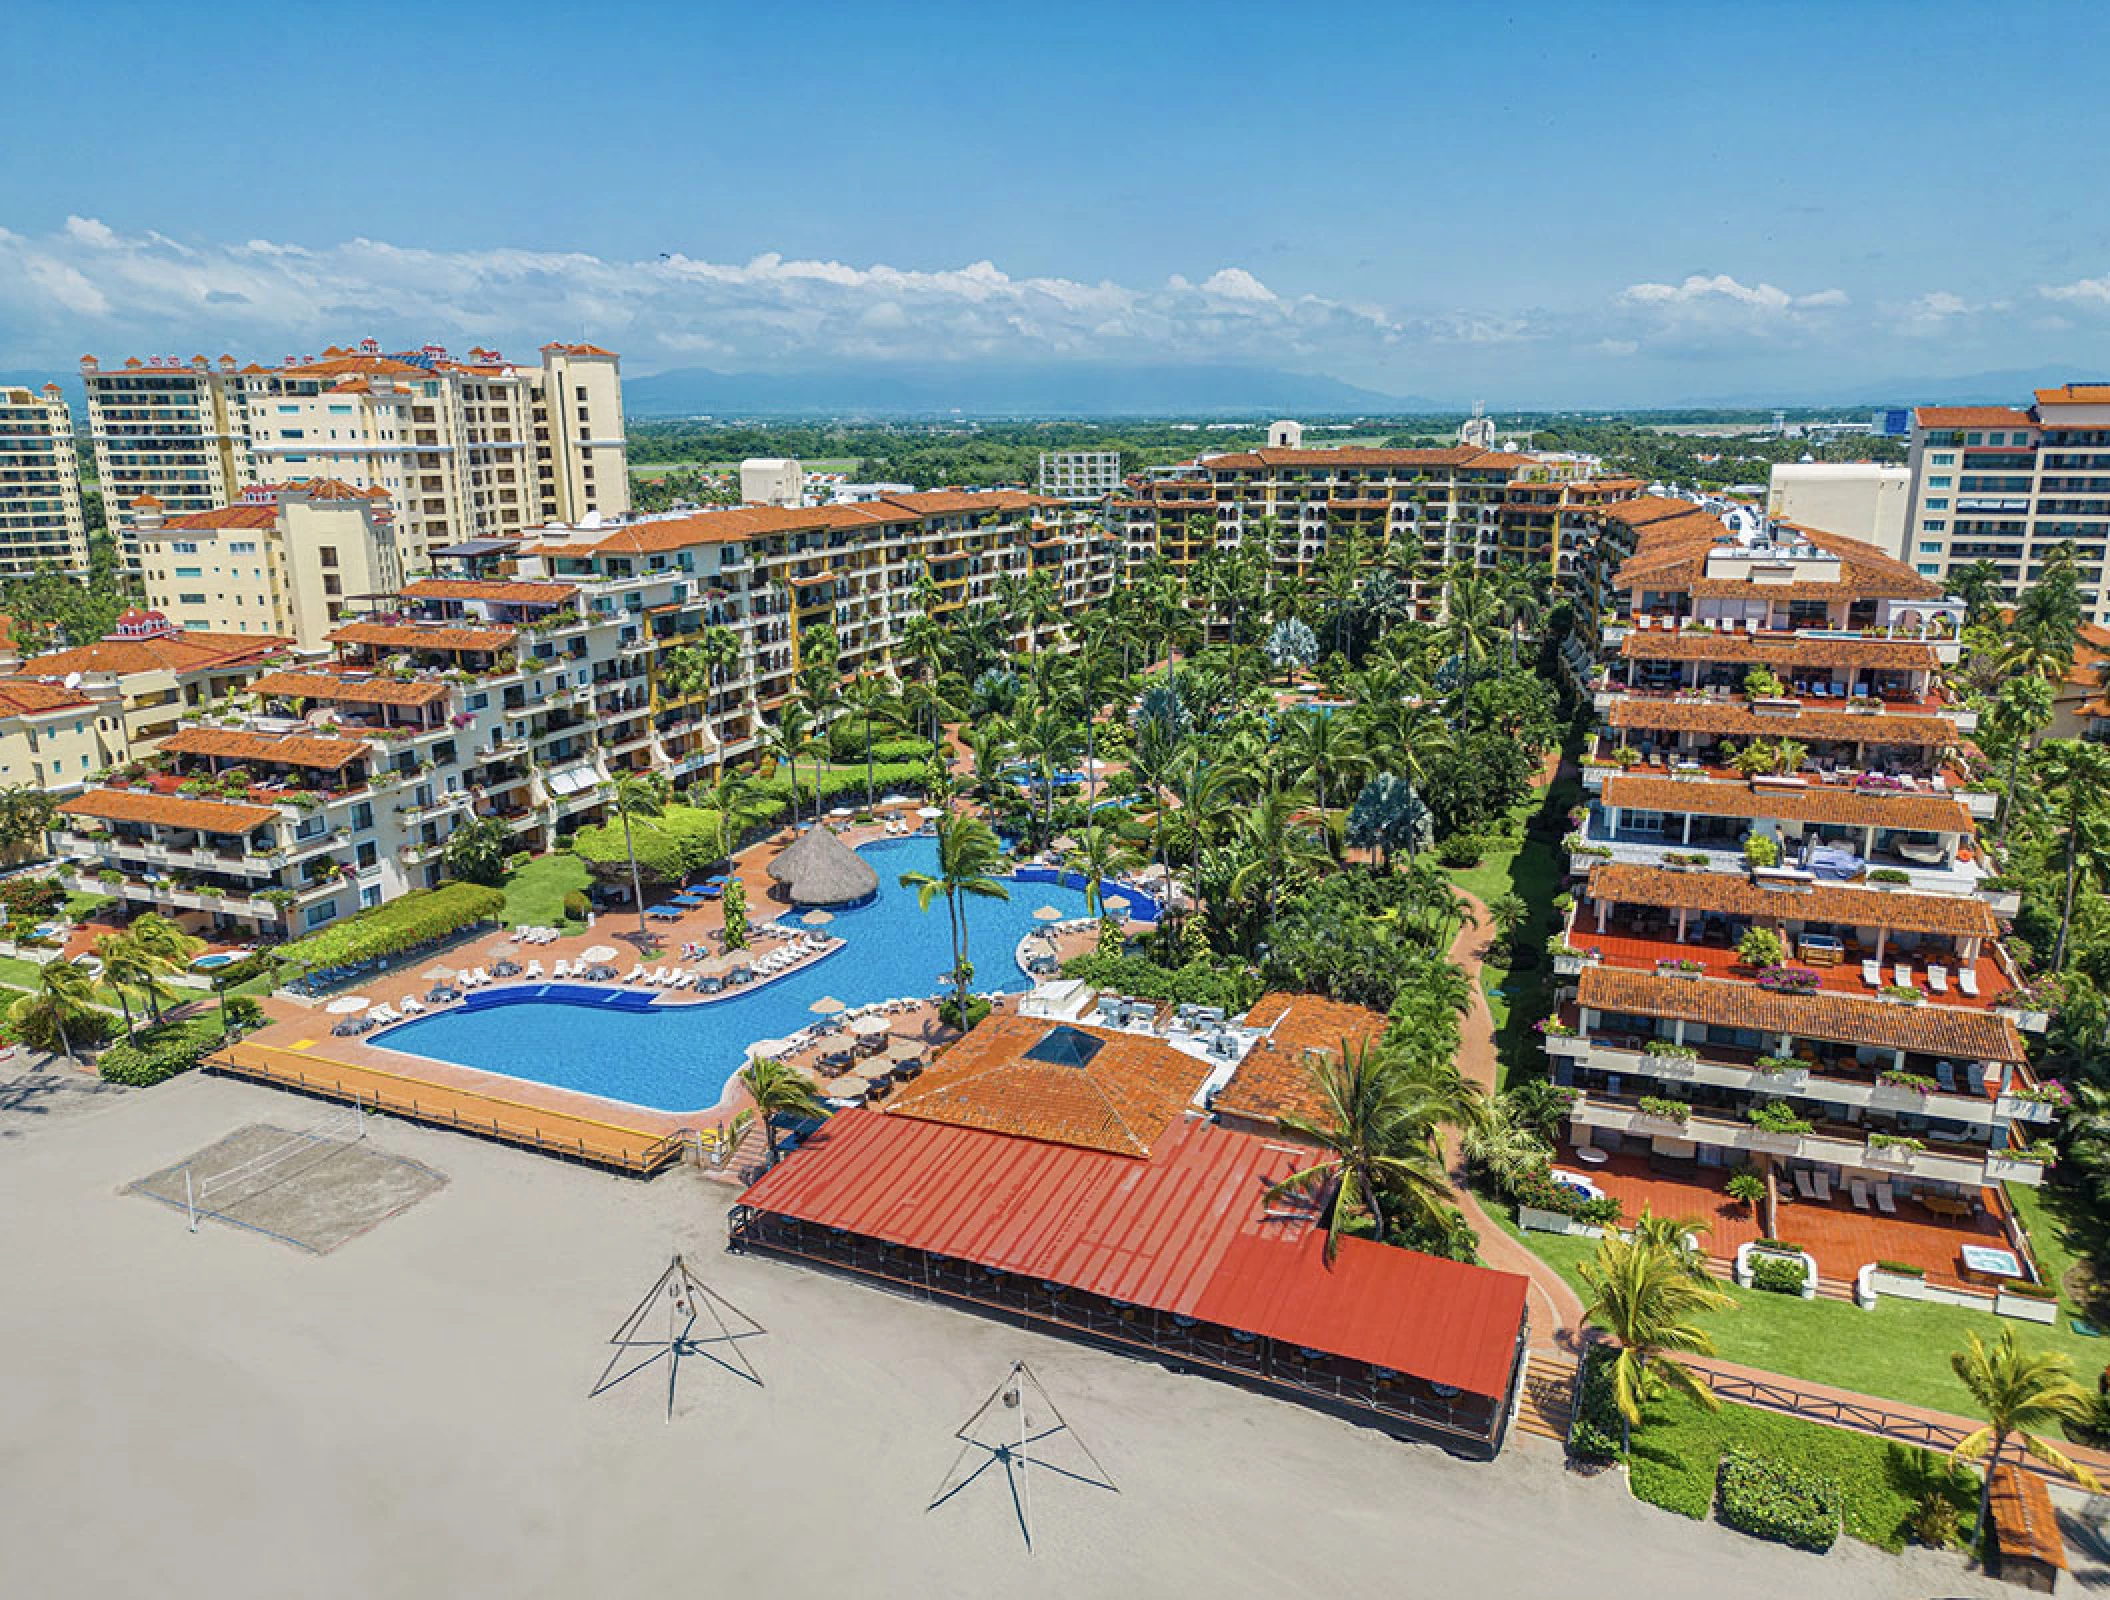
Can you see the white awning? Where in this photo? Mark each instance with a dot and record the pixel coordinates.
(570, 780)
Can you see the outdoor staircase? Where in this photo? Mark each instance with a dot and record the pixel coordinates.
(1548, 1402)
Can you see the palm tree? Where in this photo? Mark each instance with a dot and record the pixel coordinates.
(1278, 842)
(1678, 1235)
(738, 799)
(968, 856)
(778, 1090)
(2021, 1393)
(788, 738)
(636, 794)
(1101, 853)
(163, 940)
(131, 967)
(871, 701)
(1377, 1135)
(1508, 912)
(25, 815)
(1981, 589)
(65, 994)
(1322, 750)
(2075, 775)
(1646, 1299)
(718, 653)
(2022, 709)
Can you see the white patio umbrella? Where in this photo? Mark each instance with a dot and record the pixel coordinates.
(927, 813)
(841, 811)
(767, 1047)
(895, 800)
(868, 1027)
(599, 952)
(345, 1005)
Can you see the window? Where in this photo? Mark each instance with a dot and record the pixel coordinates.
(318, 915)
(340, 411)
(1930, 547)
(195, 598)
(1938, 502)
(1942, 458)
(190, 572)
(245, 547)
(184, 547)
(328, 553)
(289, 411)
(294, 433)
(1941, 483)
(1933, 525)
(1930, 569)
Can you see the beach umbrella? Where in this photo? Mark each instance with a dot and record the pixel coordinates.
(767, 1047)
(867, 1027)
(1047, 914)
(439, 974)
(928, 813)
(345, 1005)
(818, 919)
(848, 1087)
(895, 800)
(599, 952)
(826, 1006)
(841, 811)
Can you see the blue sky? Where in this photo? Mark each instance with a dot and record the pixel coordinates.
(1534, 204)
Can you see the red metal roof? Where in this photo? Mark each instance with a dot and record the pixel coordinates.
(1188, 1231)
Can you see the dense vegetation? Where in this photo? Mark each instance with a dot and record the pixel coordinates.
(419, 918)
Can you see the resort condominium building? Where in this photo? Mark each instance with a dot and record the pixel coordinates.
(1785, 948)
(40, 484)
(288, 562)
(2007, 485)
(1424, 509)
(517, 683)
(465, 448)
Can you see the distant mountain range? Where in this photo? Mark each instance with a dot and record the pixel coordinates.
(1067, 389)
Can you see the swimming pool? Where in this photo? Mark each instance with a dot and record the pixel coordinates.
(679, 1058)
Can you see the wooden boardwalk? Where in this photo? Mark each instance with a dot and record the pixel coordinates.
(557, 1133)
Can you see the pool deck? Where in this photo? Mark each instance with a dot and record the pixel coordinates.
(296, 1049)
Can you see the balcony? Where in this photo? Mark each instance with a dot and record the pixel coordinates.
(1855, 1087)
(1826, 1146)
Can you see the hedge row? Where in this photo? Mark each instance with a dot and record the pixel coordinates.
(1772, 1500)
(1596, 1431)
(385, 930)
(679, 841)
(1776, 1276)
(159, 1054)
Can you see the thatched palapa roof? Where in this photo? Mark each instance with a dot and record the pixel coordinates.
(818, 869)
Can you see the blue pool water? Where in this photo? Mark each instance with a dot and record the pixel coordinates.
(680, 1058)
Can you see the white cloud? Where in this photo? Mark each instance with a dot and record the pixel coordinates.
(2083, 291)
(88, 285)
(1701, 290)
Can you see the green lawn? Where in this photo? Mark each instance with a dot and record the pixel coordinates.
(1679, 1445)
(80, 905)
(535, 894)
(1898, 1351)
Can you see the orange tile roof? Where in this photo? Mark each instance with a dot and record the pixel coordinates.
(1459, 455)
(2075, 394)
(1959, 916)
(202, 816)
(292, 750)
(176, 652)
(1735, 717)
(246, 515)
(391, 636)
(1120, 1101)
(731, 525)
(1276, 1077)
(1819, 802)
(1835, 1018)
(21, 698)
(2025, 1525)
(1776, 649)
(1973, 417)
(519, 594)
(355, 691)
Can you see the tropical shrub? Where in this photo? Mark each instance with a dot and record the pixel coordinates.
(31, 898)
(1761, 947)
(1777, 1116)
(1776, 1275)
(1664, 1109)
(1462, 850)
(418, 918)
(244, 1011)
(1761, 850)
(1774, 1500)
(1889, 875)
(1595, 1432)
(576, 905)
(978, 1008)
(1196, 983)
(159, 1054)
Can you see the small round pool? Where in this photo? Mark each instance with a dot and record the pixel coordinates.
(215, 960)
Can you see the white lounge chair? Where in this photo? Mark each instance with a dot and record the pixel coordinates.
(382, 1014)
(1967, 980)
(1902, 974)
(1823, 1186)
(534, 970)
(1803, 1186)
(562, 970)
(1872, 974)
(1886, 1201)
(1938, 979)
(409, 1005)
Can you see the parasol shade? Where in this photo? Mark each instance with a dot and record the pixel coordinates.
(345, 1005)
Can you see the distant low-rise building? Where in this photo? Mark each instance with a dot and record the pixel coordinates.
(772, 481)
(1864, 500)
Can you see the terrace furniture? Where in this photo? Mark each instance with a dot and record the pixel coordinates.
(1902, 974)
(1872, 974)
(381, 1014)
(1886, 1202)
(1974, 1078)
(637, 975)
(409, 1005)
(1803, 1186)
(1944, 1205)
(1945, 1075)
(1821, 949)
(1859, 1190)
(1823, 1186)
(1938, 979)
(1967, 980)
(563, 970)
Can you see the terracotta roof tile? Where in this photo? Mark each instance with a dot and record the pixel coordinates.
(391, 636)
(2075, 394)
(1835, 1018)
(1732, 894)
(1120, 1101)
(1973, 417)
(1728, 717)
(246, 515)
(175, 652)
(22, 698)
(519, 594)
(1777, 649)
(203, 816)
(293, 750)
(1818, 802)
(1276, 1077)
(353, 691)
